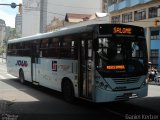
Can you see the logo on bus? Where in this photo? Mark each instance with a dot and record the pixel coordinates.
(22, 63)
(54, 65)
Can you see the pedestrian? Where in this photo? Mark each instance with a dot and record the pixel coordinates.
(153, 74)
(149, 77)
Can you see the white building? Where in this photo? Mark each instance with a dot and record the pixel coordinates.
(2, 31)
(30, 17)
(37, 14)
(18, 24)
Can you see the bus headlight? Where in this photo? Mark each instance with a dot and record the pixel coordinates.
(143, 84)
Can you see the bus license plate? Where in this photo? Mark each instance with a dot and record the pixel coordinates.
(128, 94)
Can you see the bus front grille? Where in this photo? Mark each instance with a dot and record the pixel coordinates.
(126, 80)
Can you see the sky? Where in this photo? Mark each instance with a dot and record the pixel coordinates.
(7, 13)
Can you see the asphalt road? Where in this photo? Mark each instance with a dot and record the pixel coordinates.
(28, 102)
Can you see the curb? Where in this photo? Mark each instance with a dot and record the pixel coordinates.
(154, 83)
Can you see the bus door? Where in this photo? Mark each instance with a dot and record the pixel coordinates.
(34, 61)
(86, 69)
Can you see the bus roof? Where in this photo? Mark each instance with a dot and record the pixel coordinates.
(77, 28)
(56, 33)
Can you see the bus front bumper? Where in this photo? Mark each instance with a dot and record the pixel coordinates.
(102, 95)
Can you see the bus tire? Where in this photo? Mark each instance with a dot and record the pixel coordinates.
(68, 91)
(21, 77)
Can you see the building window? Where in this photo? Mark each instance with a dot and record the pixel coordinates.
(116, 19)
(127, 17)
(154, 61)
(140, 15)
(113, 2)
(154, 11)
(155, 35)
(154, 56)
(120, 1)
(154, 52)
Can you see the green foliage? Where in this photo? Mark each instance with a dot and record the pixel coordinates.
(2, 50)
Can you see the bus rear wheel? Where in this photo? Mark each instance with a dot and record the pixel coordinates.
(68, 91)
(21, 77)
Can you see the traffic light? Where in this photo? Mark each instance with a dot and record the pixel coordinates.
(13, 5)
(20, 8)
(156, 22)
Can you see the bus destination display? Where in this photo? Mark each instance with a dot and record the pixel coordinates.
(122, 30)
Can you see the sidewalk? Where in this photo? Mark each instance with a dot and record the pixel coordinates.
(3, 60)
(154, 83)
(157, 80)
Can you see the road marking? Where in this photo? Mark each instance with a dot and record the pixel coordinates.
(11, 75)
(2, 77)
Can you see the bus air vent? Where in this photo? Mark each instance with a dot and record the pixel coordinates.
(126, 80)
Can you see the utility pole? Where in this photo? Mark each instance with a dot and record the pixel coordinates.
(43, 16)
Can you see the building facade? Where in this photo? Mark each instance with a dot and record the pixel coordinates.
(37, 14)
(18, 25)
(2, 32)
(30, 17)
(141, 13)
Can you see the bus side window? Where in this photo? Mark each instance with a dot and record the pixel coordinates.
(69, 47)
(14, 50)
(44, 48)
(54, 50)
(66, 47)
(10, 49)
(90, 49)
(27, 49)
(74, 50)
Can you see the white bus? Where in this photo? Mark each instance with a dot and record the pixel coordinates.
(97, 62)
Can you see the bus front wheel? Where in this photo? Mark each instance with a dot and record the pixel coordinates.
(68, 91)
(21, 77)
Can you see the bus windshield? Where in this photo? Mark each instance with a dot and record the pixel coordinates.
(121, 56)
